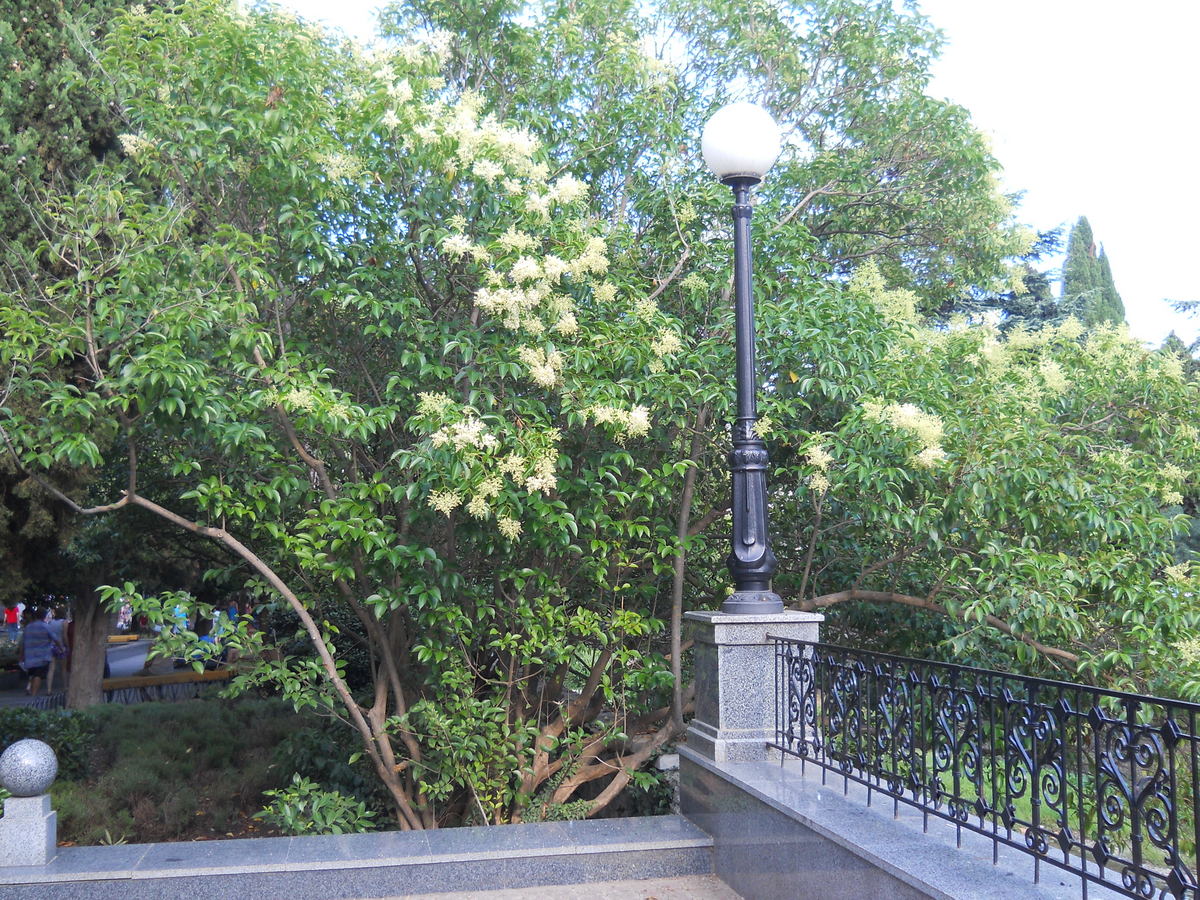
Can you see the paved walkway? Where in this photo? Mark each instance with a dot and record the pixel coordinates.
(691, 887)
(124, 659)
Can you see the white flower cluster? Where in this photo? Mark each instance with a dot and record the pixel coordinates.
(457, 244)
(545, 366)
(605, 293)
(645, 310)
(925, 427)
(895, 306)
(567, 189)
(1053, 377)
(516, 241)
(1178, 572)
(340, 166)
(514, 465)
(818, 457)
(299, 399)
(1172, 473)
(993, 354)
(1174, 477)
(520, 297)
(134, 145)
(525, 269)
(929, 457)
(567, 325)
(1170, 366)
(1120, 458)
(431, 404)
(435, 45)
(543, 478)
(554, 268)
(487, 169)
(627, 423)
(667, 343)
(444, 502)
(490, 149)
(400, 91)
(592, 261)
(515, 307)
(510, 528)
(470, 432)
(538, 205)
(1070, 330)
(490, 487)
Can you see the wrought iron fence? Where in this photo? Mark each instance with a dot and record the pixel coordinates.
(1100, 783)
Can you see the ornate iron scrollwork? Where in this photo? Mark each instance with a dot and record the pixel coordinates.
(1099, 783)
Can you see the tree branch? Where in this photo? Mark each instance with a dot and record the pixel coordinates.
(927, 604)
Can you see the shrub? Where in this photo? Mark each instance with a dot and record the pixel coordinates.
(304, 808)
(71, 734)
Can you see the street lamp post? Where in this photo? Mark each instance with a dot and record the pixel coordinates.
(740, 143)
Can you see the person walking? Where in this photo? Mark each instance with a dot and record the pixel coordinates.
(59, 660)
(37, 650)
(12, 622)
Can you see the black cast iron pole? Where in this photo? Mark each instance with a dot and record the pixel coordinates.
(751, 562)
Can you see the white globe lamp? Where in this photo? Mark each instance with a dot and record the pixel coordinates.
(741, 140)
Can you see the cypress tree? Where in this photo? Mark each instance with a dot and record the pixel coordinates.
(1089, 293)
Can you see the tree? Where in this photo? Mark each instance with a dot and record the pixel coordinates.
(54, 126)
(1088, 290)
(314, 366)
(1026, 300)
(872, 168)
(1175, 346)
(1023, 489)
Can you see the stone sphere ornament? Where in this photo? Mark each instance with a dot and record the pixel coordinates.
(28, 768)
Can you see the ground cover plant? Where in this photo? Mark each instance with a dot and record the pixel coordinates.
(194, 770)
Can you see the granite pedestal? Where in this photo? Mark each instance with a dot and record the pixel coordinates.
(735, 680)
(28, 831)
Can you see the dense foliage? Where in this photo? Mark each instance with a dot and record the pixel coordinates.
(163, 771)
(434, 344)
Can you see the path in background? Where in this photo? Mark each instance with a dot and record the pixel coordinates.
(691, 887)
(124, 660)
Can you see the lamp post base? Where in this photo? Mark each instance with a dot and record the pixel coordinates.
(752, 602)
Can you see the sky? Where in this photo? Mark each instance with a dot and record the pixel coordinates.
(1091, 107)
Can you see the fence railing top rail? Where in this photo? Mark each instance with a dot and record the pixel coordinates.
(1030, 680)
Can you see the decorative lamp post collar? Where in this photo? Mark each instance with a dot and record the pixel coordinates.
(740, 144)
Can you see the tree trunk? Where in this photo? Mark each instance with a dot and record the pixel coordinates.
(90, 644)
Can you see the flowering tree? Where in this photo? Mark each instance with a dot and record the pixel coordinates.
(1026, 494)
(358, 333)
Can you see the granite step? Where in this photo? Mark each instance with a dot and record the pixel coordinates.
(685, 887)
(383, 864)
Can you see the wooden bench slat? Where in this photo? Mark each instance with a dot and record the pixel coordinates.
(184, 677)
